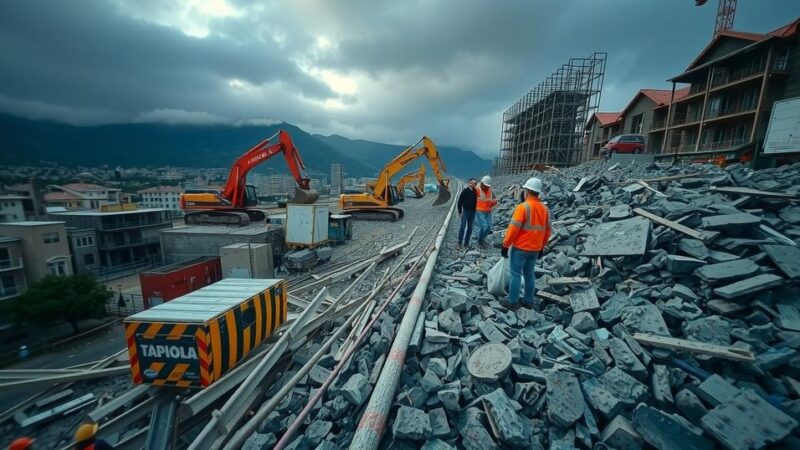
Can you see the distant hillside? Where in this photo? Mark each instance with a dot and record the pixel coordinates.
(459, 162)
(32, 142)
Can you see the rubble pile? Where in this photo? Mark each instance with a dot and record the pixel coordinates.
(667, 315)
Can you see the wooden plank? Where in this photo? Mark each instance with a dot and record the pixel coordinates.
(647, 186)
(705, 237)
(753, 192)
(669, 178)
(719, 351)
(553, 297)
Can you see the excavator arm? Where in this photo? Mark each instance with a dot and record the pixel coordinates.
(235, 187)
(418, 176)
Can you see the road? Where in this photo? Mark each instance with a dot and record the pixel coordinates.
(92, 349)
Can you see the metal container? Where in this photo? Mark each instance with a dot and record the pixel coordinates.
(306, 225)
(172, 281)
(340, 228)
(194, 340)
(245, 260)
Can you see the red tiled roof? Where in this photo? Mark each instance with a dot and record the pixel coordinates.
(606, 118)
(59, 196)
(743, 35)
(658, 96)
(787, 30)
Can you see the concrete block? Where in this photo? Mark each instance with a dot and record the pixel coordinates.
(668, 431)
(716, 390)
(711, 330)
(623, 386)
(618, 212)
(681, 265)
(439, 425)
(584, 300)
(450, 398)
(525, 372)
(747, 422)
(749, 286)
(438, 366)
(644, 319)
(690, 406)
(450, 321)
(430, 382)
(694, 248)
(258, 441)
(731, 223)
(504, 419)
(726, 271)
(411, 423)
(473, 434)
(660, 384)
(356, 389)
(786, 258)
(583, 322)
(436, 444)
(620, 238)
(564, 398)
(619, 434)
(317, 431)
(625, 359)
(600, 398)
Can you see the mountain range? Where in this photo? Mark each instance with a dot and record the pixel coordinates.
(33, 142)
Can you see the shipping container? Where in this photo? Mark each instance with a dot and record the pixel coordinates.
(340, 228)
(306, 225)
(169, 282)
(193, 340)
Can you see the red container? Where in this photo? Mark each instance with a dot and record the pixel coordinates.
(169, 282)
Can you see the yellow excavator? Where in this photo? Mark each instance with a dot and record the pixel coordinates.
(377, 203)
(418, 189)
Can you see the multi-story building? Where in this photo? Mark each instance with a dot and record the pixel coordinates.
(12, 273)
(31, 199)
(76, 196)
(84, 249)
(44, 249)
(337, 182)
(124, 238)
(166, 197)
(733, 83)
(601, 127)
(12, 209)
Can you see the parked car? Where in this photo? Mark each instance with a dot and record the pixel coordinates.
(624, 143)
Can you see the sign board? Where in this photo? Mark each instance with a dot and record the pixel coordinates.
(783, 132)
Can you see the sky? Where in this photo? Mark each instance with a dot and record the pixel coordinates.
(388, 71)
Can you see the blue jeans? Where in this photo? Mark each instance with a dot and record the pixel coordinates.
(522, 264)
(465, 230)
(484, 225)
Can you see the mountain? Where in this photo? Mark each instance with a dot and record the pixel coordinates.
(460, 163)
(32, 142)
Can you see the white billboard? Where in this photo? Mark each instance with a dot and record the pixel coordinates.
(783, 132)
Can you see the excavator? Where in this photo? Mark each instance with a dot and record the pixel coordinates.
(230, 206)
(419, 188)
(377, 203)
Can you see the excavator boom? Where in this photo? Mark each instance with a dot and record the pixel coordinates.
(229, 206)
(418, 176)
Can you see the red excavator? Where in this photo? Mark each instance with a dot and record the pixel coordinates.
(230, 207)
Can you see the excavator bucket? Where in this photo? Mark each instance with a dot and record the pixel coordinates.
(444, 195)
(304, 197)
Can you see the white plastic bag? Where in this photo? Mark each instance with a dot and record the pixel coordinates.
(498, 277)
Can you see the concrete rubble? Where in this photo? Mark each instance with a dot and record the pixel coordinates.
(666, 317)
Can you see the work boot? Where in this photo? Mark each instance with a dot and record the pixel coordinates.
(512, 306)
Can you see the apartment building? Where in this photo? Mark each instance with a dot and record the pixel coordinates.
(76, 196)
(601, 127)
(44, 249)
(732, 85)
(12, 275)
(166, 197)
(12, 208)
(31, 199)
(125, 237)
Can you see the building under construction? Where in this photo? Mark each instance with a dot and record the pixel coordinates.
(546, 124)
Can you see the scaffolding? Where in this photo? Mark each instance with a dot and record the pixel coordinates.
(546, 125)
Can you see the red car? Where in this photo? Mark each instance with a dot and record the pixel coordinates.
(624, 143)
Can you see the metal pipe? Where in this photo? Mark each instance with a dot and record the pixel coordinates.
(373, 420)
(295, 426)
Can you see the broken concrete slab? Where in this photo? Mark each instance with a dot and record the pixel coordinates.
(584, 300)
(356, 389)
(583, 322)
(600, 398)
(644, 319)
(693, 247)
(680, 265)
(317, 431)
(619, 434)
(786, 258)
(473, 434)
(789, 318)
(436, 444)
(659, 381)
(716, 390)
(490, 362)
(749, 286)
(623, 386)
(668, 431)
(450, 321)
(504, 419)
(411, 423)
(564, 398)
(747, 422)
(621, 238)
(709, 330)
(440, 428)
(619, 212)
(625, 359)
(731, 222)
(714, 273)
(689, 405)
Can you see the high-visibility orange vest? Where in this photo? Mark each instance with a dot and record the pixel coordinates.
(529, 228)
(485, 199)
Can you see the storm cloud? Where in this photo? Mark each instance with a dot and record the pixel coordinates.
(388, 71)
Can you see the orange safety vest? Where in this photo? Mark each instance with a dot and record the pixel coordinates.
(485, 200)
(529, 228)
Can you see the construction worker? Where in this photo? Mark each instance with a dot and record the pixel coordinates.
(467, 201)
(23, 443)
(526, 236)
(483, 214)
(86, 438)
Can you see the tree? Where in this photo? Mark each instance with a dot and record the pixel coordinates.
(69, 298)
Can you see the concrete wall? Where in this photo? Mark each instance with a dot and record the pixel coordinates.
(11, 210)
(642, 106)
(178, 245)
(247, 261)
(77, 241)
(12, 279)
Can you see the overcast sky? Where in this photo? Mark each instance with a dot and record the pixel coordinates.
(382, 70)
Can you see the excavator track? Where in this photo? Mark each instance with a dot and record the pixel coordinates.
(236, 218)
(385, 214)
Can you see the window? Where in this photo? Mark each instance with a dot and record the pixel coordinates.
(84, 241)
(636, 126)
(57, 267)
(50, 238)
(8, 285)
(88, 259)
(714, 107)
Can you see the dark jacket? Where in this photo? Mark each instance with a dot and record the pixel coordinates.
(467, 200)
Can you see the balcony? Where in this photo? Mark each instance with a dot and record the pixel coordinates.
(122, 243)
(10, 264)
(729, 144)
(658, 124)
(723, 79)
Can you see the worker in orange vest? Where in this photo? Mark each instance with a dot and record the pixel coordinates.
(86, 438)
(526, 236)
(483, 209)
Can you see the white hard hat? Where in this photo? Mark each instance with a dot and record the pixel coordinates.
(534, 184)
(486, 180)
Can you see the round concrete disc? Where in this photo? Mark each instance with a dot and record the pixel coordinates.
(490, 362)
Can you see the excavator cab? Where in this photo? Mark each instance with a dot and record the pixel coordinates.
(251, 196)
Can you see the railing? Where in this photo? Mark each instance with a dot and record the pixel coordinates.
(11, 263)
(724, 78)
(123, 305)
(723, 145)
(729, 111)
(660, 123)
(684, 119)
